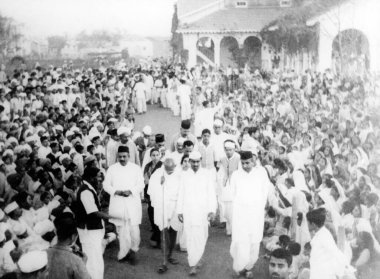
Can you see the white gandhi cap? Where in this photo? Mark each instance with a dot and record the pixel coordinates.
(195, 156)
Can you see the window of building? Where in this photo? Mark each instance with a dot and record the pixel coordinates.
(241, 4)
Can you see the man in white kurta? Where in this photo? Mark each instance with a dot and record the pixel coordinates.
(184, 97)
(326, 260)
(163, 190)
(228, 165)
(250, 188)
(196, 206)
(124, 182)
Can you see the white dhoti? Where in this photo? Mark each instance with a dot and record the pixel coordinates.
(148, 94)
(141, 105)
(175, 108)
(181, 238)
(91, 241)
(244, 254)
(155, 95)
(196, 238)
(185, 110)
(129, 238)
(163, 98)
(227, 208)
(222, 215)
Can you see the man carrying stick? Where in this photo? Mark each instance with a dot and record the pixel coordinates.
(163, 191)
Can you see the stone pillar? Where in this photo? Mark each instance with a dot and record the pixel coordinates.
(217, 40)
(324, 51)
(190, 43)
(374, 53)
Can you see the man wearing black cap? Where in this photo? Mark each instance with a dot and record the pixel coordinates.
(184, 133)
(251, 189)
(124, 182)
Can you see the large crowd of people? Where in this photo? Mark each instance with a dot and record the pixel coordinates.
(285, 163)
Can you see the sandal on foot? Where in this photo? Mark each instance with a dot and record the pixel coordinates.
(249, 274)
(173, 261)
(162, 269)
(193, 271)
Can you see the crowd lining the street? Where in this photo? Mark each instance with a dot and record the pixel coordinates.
(285, 163)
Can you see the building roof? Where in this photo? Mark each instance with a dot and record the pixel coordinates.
(233, 20)
(310, 9)
(188, 6)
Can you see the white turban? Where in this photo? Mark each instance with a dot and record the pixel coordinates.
(147, 130)
(32, 261)
(124, 130)
(218, 123)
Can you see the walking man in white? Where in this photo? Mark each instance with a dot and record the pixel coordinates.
(251, 188)
(163, 191)
(196, 206)
(124, 182)
(228, 165)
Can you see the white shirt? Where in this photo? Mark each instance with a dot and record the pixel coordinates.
(196, 197)
(125, 178)
(250, 195)
(140, 89)
(326, 260)
(164, 197)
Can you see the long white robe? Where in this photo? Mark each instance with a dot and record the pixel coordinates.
(164, 198)
(128, 209)
(250, 192)
(184, 94)
(196, 200)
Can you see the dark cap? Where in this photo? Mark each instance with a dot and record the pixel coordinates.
(112, 132)
(123, 148)
(160, 138)
(245, 155)
(186, 124)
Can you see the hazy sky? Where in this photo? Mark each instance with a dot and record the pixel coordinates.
(47, 17)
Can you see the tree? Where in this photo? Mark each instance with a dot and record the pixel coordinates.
(9, 36)
(176, 41)
(56, 44)
(125, 54)
(98, 38)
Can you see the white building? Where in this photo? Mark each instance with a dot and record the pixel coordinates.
(360, 15)
(212, 28)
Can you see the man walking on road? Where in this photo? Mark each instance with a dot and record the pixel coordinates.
(124, 182)
(196, 207)
(163, 191)
(251, 187)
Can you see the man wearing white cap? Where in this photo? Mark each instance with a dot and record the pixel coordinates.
(250, 189)
(147, 132)
(184, 96)
(163, 191)
(218, 138)
(141, 93)
(125, 140)
(33, 264)
(196, 207)
(228, 165)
